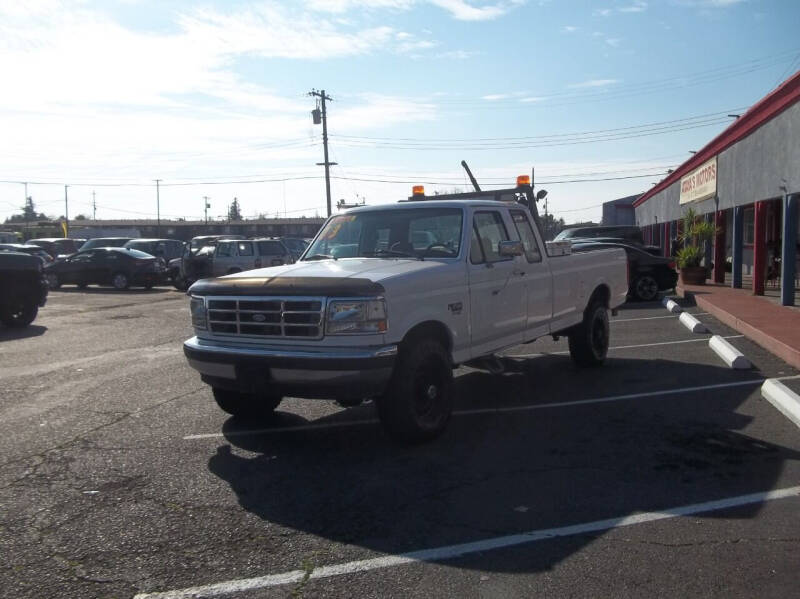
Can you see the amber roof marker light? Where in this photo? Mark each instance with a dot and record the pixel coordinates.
(418, 190)
(523, 180)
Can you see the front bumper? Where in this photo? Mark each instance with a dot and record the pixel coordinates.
(312, 373)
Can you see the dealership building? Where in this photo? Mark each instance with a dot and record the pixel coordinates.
(747, 181)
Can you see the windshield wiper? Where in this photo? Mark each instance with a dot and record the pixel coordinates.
(319, 257)
(392, 253)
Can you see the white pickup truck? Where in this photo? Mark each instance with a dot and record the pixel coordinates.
(388, 300)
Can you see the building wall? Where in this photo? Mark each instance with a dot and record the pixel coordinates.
(752, 169)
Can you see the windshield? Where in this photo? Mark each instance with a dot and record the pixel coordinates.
(414, 233)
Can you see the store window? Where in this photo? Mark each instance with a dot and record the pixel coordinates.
(749, 225)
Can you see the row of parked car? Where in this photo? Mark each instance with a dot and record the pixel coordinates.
(124, 262)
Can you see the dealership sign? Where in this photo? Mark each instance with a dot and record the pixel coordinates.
(700, 184)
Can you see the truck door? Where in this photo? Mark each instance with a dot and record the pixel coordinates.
(538, 279)
(224, 256)
(247, 259)
(497, 290)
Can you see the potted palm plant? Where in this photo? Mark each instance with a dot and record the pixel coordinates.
(696, 232)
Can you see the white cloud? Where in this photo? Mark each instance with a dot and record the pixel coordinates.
(463, 10)
(529, 99)
(613, 41)
(466, 11)
(593, 83)
(602, 12)
(458, 54)
(494, 97)
(637, 6)
(569, 29)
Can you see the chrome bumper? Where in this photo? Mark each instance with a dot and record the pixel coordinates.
(301, 373)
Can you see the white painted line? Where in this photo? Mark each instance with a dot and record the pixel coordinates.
(691, 323)
(449, 552)
(613, 320)
(729, 354)
(784, 399)
(671, 305)
(564, 353)
(478, 411)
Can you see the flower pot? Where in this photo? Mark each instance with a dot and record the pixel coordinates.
(693, 275)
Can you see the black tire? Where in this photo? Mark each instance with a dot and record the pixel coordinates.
(83, 285)
(120, 281)
(645, 288)
(419, 400)
(19, 314)
(588, 341)
(53, 282)
(148, 286)
(246, 405)
(180, 283)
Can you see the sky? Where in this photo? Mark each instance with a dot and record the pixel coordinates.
(211, 98)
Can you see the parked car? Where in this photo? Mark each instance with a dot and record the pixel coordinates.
(164, 249)
(630, 233)
(105, 242)
(23, 290)
(195, 262)
(57, 246)
(650, 249)
(647, 274)
(295, 246)
(33, 250)
(119, 267)
(233, 256)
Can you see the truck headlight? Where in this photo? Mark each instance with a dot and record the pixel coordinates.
(197, 306)
(354, 317)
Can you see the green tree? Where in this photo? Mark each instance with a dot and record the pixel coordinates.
(234, 210)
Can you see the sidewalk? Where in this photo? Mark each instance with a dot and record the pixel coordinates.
(774, 327)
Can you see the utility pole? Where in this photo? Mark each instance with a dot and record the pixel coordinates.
(94, 207)
(25, 210)
(206, 207)
(321, 114)
(158, 209)
(66, 212)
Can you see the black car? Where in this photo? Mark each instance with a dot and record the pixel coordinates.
(629, 233)
(57, 246)
(166, 249)
(647, 274)
(195, 263)
(119, 267)
(105, 242)
(23, 290)
(33, 250)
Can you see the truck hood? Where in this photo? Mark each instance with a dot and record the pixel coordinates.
(343, 277)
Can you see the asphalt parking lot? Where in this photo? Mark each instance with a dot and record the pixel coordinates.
(664, 473)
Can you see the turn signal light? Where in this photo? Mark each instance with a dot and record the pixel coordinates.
(523, 180)
(671, 265)
(418, 190)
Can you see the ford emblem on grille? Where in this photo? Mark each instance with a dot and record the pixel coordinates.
(259, 317)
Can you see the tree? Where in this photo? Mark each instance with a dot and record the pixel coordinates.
(28, 213)
(81, 217)
(234, 210)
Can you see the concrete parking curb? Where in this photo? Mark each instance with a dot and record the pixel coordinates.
(729, 354)
(784, 399)
(671, 305)
(691, 323)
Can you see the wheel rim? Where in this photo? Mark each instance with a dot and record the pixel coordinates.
(428, 390)
(646, 288)
(120, 281)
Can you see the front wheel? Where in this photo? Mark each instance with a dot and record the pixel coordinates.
(19, 314)
(246, 405)
(52, 280)
(645, 288)
(588, 341)
(419, 399)
(120, 281)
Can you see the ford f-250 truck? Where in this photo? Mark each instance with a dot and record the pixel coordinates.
(388, 300)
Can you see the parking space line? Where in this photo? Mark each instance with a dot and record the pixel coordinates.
(613, 320)
(449, 552)
(564, 353)
(479, 411)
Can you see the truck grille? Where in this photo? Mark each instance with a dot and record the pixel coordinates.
(289, 317)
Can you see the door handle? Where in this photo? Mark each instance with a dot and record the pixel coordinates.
(519, 273)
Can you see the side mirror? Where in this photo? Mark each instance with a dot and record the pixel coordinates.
(510, 248)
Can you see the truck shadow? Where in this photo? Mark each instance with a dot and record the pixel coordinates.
(32, 330)
(530, 467)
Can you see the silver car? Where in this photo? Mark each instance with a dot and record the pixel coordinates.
(232, 256)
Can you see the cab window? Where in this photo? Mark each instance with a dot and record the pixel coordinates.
(526, 235)
(225, 249)
(245, 248)
(491, 231)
